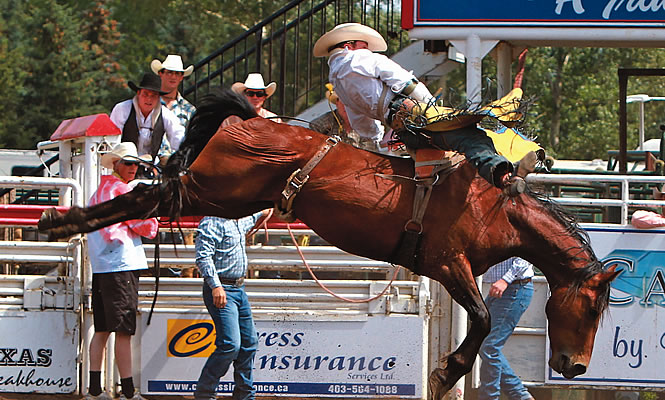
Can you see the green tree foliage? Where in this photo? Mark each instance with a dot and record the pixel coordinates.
(61, 78)
(62, 59)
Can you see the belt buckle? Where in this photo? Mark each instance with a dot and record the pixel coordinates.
(239, 281)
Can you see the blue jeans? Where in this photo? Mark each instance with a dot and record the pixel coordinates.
(479, 150)
(236, 342)
(495, 372)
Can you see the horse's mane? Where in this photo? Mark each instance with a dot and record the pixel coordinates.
(593, 266)
(214, 107)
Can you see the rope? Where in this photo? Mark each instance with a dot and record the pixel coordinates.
(302, 257)
(263, 224)
(156, 272)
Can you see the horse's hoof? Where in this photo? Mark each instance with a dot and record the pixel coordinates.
(438, 384)
(46, 221)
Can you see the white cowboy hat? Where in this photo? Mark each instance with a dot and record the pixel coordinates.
(172, 63)
(348, 32)
(124, 151)
(254, 82)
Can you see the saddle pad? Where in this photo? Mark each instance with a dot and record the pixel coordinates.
(428, 161)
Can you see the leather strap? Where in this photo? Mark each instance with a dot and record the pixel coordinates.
(382, 104)
(298, 179)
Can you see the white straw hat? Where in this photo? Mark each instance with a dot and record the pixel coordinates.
(124, 151)
(348, 32)
(172, 63)
(254, 82)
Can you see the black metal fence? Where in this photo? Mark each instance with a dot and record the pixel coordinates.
(280, 47)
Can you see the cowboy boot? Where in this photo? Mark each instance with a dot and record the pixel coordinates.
(527, 164)
(514, 184)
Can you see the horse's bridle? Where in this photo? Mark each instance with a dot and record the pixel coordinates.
(298, 179)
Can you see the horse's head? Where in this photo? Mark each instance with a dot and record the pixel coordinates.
(573, 316)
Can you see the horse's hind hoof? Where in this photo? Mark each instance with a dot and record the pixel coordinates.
(47, 219)
(438, 384)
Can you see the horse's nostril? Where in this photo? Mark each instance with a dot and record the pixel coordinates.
(578, 369)
(574, 370)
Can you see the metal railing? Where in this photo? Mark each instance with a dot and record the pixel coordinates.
(623, 201)
(280, 48)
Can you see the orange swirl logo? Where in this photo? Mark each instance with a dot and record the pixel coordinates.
(190, 338)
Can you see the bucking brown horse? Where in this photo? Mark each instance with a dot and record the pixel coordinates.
(470, 225)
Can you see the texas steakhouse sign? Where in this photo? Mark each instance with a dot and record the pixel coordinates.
(577, 13)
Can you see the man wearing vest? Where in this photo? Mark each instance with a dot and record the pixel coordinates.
(144, 121)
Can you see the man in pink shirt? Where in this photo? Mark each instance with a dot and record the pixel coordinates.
(117, 256)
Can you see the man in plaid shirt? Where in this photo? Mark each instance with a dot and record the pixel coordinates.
(222, 261)
(509, 296)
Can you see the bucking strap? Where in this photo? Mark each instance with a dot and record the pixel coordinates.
(298, 179)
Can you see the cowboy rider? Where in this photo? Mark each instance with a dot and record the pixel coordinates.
(372, 87)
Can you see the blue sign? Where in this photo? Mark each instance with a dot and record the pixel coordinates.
(539, 12)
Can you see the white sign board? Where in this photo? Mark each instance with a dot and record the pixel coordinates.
(630, 344)
(376, 357)
(38, 351)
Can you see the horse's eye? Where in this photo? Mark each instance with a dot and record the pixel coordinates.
(593, 313)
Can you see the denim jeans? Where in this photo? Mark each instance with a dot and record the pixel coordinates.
(236, 342)
(495, 372)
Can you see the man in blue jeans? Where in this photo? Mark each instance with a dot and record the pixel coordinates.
(222, 261)
(509, 296)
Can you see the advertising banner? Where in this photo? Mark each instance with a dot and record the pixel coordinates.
(41, 358)
(536, 13)
(377, 357)
(630, 344)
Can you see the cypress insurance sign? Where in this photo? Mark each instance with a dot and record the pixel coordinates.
(376, 357)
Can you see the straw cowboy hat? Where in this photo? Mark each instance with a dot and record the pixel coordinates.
(254, 82)
(172, 63)
(349, 32)
(149, 82)
(123, 151)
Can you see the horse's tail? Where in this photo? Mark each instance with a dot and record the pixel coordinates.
(213, 108)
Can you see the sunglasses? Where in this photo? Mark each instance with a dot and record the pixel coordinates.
(252, 93)
(130, 162)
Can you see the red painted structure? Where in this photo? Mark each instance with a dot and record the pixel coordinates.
(28, 215)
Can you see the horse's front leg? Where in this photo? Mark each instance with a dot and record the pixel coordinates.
(460, 283)
(139, 203)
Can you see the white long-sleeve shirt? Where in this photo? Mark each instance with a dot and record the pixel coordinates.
(173, 130)
(359, 78)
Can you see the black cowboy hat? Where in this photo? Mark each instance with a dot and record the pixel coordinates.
(150, 82)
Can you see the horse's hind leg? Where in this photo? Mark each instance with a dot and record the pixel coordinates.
(136, 204)
(460, 283)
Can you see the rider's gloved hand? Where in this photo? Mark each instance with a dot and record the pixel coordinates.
(421, 93)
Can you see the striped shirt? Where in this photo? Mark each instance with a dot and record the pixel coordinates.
(220, 248)
(182, 109)
(512, 269)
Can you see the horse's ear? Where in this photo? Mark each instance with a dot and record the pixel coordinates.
(609, 275)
